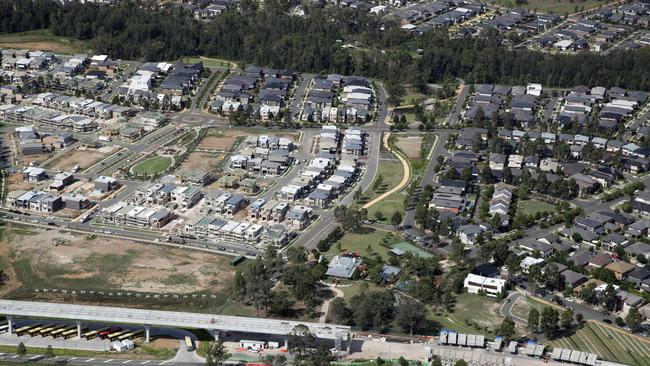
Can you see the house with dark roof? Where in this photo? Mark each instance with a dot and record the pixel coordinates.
(572, 279)
(637, 276)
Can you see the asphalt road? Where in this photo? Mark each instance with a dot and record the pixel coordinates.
(438, 149)
(508, 304)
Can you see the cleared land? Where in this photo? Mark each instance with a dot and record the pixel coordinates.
(210, 62)
(226, 141)
(42, 40)
(410, 145)
(151, 166)
(207, 162)
(83, 156)
(533, 206)
(559, 7)
(524, 305)
(609, 344)
(471, 314)
(54, 259)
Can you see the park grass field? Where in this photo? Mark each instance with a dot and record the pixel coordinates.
(151, 166)
(533, 206)
(367, 245)
(609, 344)
(42, 40)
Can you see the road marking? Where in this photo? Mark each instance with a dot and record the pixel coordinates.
(127, 361)
(109, 360)
(92, 359)
(145, 362)
(14, 356)
(73, 358)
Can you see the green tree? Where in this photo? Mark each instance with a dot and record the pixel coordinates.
(566, 319)
(410, 315)
(548, 322)
(533, 319)
(396, 219)
(460, 363)
(49, 352)
(339, 313)
(507, 328)
(217, 354)
(301, 343)
(379, 216)
(634, 319)
(608, 297)
(21, 350)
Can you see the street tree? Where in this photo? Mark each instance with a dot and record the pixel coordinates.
(396, 219)
(533, 319)
(634, 319)
(217, 354)
(49, 352)
(21, 350)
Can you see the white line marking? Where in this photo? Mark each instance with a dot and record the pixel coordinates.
(92, 359)
(127, 361)
(109, 360)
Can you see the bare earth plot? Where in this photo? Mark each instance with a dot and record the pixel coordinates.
(225, 141)
(410, 145)
(54, 259)
(85, 157)
(203, 161)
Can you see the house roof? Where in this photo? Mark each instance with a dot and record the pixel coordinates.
(600, 260)
(620, 267)
(573, 278)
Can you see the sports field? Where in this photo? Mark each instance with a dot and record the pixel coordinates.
(609, 344)
(151, 166)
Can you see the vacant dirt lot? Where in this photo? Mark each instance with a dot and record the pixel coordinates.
(410, 145)
(224, 141)
(54, 259)
(207, 162)
(85, 157)
(220, 141)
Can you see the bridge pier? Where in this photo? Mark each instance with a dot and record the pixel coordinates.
(147, 331)
(10, 323)
(286, 344)
(78, 329)
(215, 333)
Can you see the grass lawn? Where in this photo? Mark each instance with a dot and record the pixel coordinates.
(356, 288)
(523, 306)
(412, 98)
(390, 173)
(152, 166)
(610, 345)
(42, 39)
(553, 6)
(367, 245)
(471, 314)
(209, 62)
(533, 206)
